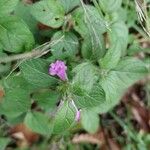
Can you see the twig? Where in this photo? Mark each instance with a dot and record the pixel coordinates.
(37, 52)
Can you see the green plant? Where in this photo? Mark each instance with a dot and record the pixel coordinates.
(90, 39)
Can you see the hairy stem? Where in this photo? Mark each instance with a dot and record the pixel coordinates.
(37, 52)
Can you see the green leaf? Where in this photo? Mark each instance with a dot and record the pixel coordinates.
(38, 123)
(85, 75)
(91, 26)
(110, 5)
(112, 57)
(120, 15)
(92, 125)
(115, 83)
(94, 21)
(35, 71)
(47, 99)
(90, 99)
(118, 34)
(17, 120)
(15, 35)
(67, 46)
(89, 20)
(91, 50)
(80, 25)
(49, 12)
(4, 68)
(17, 81)
(69, 4)
(7, 6)
(64, 118)
(22, 10)
(3, 143)
(15, 102)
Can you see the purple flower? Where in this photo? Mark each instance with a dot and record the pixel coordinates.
(58, 68)
(78, 114)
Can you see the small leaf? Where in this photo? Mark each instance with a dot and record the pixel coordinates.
(7, 6)
(15, 35)
(64, 118)
(118, 45)
(15, 102)
(38, 123)
(69, 4)
(89, 121)
(112, 57)
(110, 5)
(67, 47)
(118, 34)
(49, 12)
(35, 71)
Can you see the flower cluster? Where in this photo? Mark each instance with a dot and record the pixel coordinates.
(58, 68)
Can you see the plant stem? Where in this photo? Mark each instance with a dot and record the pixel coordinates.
(37, 52)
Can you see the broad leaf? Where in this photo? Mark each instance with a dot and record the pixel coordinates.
(118, 34)
(91, 26)
(49, 12)
(121, 16)
(110, 5)
(69, 4)
(7, 6)
(15, 35)
(89, 21)
(90, 99)
(66, 47)
(46, 99)
(64, 118)
(15, 102)
(38, 123)
(35, 71)
(22, 10)
(90, 48)
(17, 81)
(112, 57)
(94, 21)
(115, 83)
(80, 25)
(89, 121)
(85, 75)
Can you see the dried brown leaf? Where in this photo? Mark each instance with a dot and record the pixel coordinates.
(24, 135)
